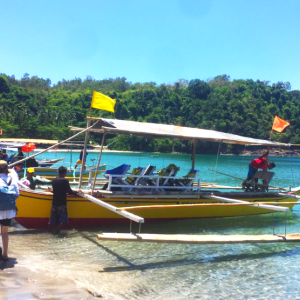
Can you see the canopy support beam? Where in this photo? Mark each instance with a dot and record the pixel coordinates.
(194, 153)
(84, 154)
(98, 163)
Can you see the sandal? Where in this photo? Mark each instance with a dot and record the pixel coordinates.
(5, 258)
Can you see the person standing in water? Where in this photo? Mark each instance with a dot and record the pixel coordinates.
(60, 188)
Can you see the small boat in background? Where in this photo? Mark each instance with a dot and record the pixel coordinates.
(48, 162)
(50, 172)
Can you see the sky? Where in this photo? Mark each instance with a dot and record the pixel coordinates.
(158, 41)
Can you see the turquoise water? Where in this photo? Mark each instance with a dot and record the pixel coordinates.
(286, 171)
(120, 270)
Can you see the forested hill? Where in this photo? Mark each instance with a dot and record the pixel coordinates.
(32, 108)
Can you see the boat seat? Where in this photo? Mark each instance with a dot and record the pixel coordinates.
(148, 172)
(188, 179)
(121, 170)
(169, 172)
(253, 184)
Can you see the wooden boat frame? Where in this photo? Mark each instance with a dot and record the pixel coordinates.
(102, 207)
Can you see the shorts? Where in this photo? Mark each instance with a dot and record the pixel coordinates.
(59, 215)
(251, 172)
(79, 161)
(5, 222)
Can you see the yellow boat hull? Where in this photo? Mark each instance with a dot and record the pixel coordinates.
(34, 209)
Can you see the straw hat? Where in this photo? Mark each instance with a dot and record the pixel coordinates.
(3, 165)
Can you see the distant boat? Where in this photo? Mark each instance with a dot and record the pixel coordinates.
(48, 162)
(50, 172)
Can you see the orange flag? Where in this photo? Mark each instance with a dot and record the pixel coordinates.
(279, 124)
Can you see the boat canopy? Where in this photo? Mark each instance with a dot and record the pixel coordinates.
(152, 130)
(10, 144)
(6, 141)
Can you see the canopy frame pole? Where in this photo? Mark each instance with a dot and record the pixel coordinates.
(24, 159)
(194, 153)
(99, 160)
(84, 153)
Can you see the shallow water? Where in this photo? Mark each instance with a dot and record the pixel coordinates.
(75, 265)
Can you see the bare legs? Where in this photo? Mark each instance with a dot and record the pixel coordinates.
(4, 233)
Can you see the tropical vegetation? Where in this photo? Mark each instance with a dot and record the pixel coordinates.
(34, 108)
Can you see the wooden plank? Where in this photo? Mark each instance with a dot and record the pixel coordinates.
(198, 239)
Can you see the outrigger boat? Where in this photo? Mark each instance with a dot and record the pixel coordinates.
(146, 194)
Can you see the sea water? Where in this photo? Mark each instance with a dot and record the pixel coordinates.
(75, 265)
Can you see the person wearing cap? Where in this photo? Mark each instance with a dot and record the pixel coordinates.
(20, 154)
(259, 163)
(6, 215)
(33, 181)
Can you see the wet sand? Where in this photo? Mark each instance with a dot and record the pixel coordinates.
(38, 269)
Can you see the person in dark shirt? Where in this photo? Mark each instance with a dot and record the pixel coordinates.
(60, 189)
(20, 154)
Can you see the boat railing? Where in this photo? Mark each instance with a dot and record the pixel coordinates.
(155, 183)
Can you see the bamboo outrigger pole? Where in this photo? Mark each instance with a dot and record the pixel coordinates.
(271, 207)
(53, 146)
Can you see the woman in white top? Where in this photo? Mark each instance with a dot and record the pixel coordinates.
(6, 215)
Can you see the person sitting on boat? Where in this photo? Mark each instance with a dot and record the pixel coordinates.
(60, 188)
(259, 163)
(79, 161)
(33, 181)
(20, 154)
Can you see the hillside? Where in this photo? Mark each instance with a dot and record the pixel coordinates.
(33, 108)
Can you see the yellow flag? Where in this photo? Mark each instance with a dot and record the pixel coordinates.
(103, 102)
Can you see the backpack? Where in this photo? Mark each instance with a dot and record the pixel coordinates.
(8, 197)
